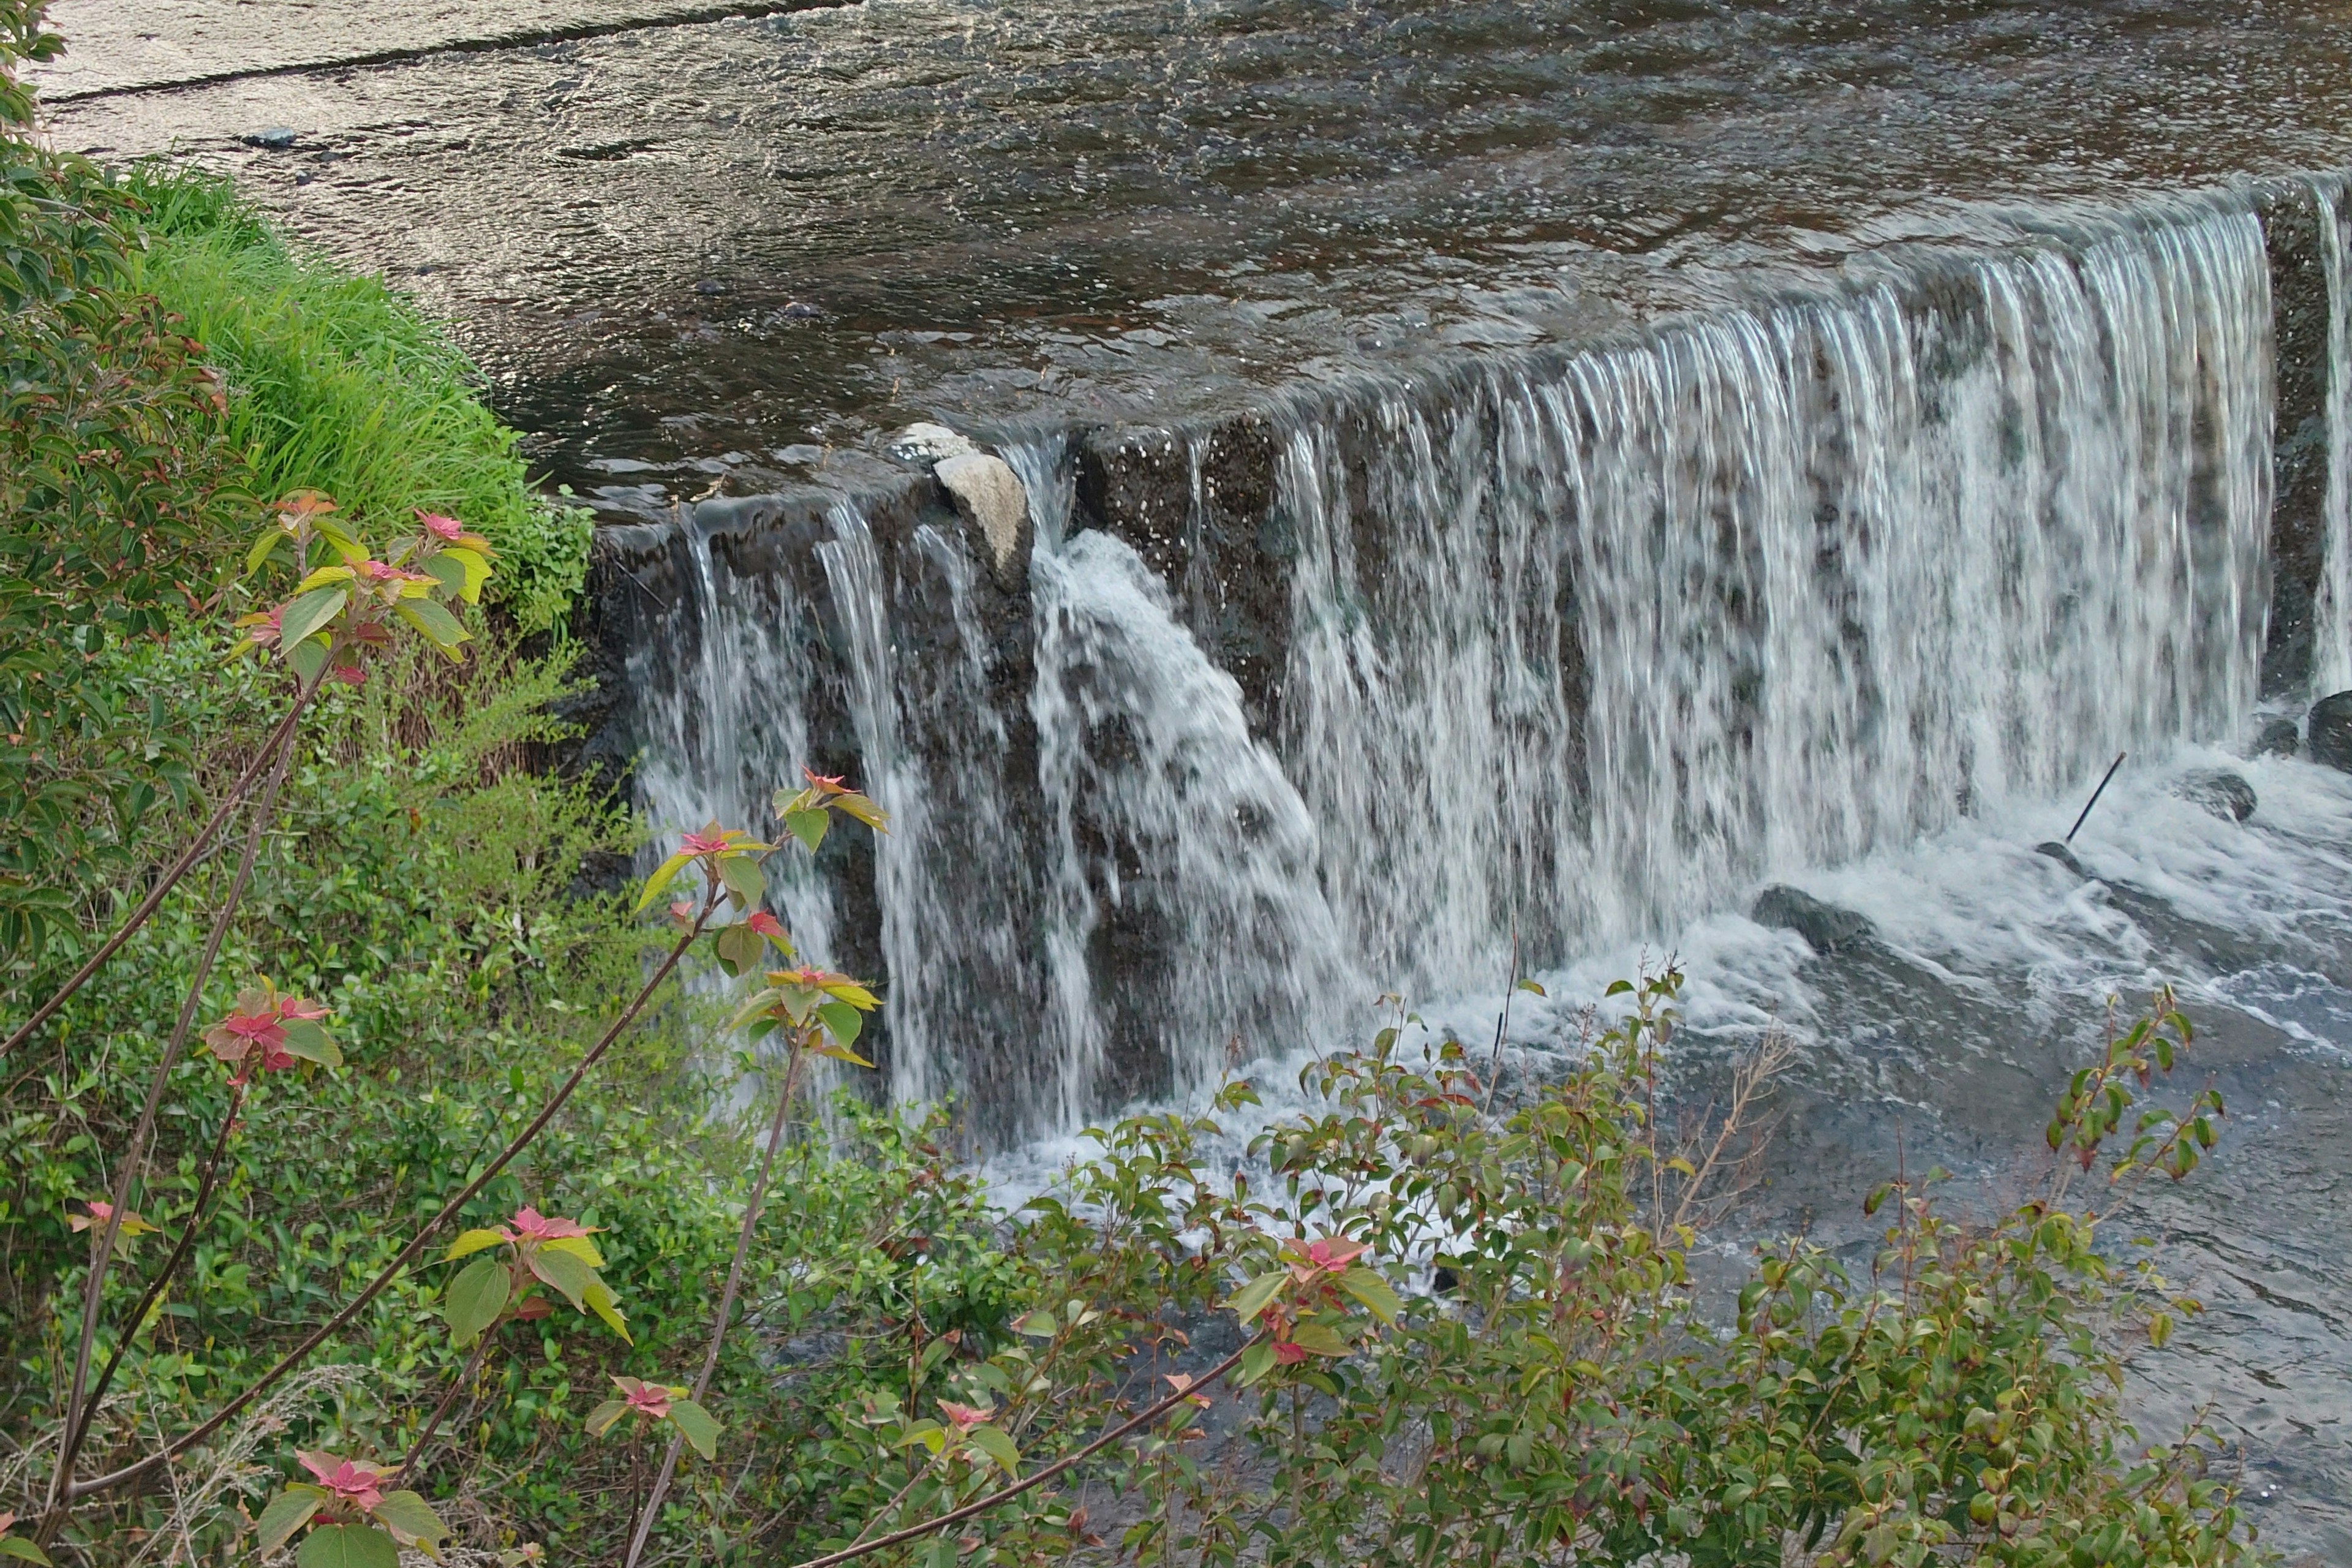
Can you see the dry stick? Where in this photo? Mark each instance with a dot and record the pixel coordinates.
(76, 1418)
(170, 877)
(2095, 798)
(170, 1265)
(408, 1254)
(726, 1299)
(1038, 1478)
(433, 1422)
(1502, 1022)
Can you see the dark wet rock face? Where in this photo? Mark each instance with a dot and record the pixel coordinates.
(2330, 731)
(2278, 738)
(1825, 927)
(2226, 794)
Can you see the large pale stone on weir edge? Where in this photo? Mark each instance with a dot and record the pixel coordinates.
(931, 444)
(991, 497)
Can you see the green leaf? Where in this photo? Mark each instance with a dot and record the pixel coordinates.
(449, 573)
(475, 1298)
(697, 1426)
(1318, 1339)
(307, 1038)
(1367, 1286)
(942, 1551)
(808, 827)
(477, 571)
(1256, 1362)
(412, 1522)
(992, 1441)
(602, 1301)
(1252, 1299)
(844, 1022)
(739, 948)
(601, 1419)
(1039, 1325)
(579, 1247)
(863, 809)
(1531, 985)
(347, 1546)
(470, 1242)
(262, 550)
(664, 874)
(567, 1272)
(18, 1546)
(307, 613)
(437, 623)
(743, 879)
(306, 660)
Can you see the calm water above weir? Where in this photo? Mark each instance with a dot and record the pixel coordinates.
(728, 251)
(1498, 474)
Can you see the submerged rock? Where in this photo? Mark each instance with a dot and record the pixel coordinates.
(2064, 856)
(2329, 731)
(1825, 927)
(990, 497)
(2278, 738)
(276, 139)
(2218, 790)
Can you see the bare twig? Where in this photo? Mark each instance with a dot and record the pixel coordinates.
(433, 1423)
(188, 1229)
(652, 1509)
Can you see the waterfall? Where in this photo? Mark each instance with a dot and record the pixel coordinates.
(1581, 653)
(2331, 654)
(1566, 649)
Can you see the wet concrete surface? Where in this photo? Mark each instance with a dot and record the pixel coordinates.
(158, 43)
(726, 256)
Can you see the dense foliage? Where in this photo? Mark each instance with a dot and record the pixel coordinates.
(115, 490)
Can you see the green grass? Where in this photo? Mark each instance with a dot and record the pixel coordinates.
(340, 384)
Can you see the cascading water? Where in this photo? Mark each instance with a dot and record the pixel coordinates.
(1581, 653)
(1572, 650)
(2331, 654)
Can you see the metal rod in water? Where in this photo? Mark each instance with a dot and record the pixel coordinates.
(2095, 798)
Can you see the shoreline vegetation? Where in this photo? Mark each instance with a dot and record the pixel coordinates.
(1445, 1325)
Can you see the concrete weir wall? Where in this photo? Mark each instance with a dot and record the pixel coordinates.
(1552, 648)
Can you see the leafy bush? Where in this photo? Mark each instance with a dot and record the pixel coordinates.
(115, 492)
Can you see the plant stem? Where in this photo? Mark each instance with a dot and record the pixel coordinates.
(1038, 1478)
(180, 1251)
(408, 1254)
(726, 1298)
(433, 1422)
(93, 1291)
(170, 876)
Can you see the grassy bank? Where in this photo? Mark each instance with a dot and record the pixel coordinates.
(340, 384)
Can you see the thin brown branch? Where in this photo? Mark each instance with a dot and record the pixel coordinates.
(77, 1421)
(416, 1246)
(433, 1422)
(652, 1509)
(172, 875)
(1038, 1478)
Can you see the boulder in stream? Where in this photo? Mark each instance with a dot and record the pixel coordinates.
(2218, 790)
(1825, 927)
(2279, 736)
(2328, 732)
